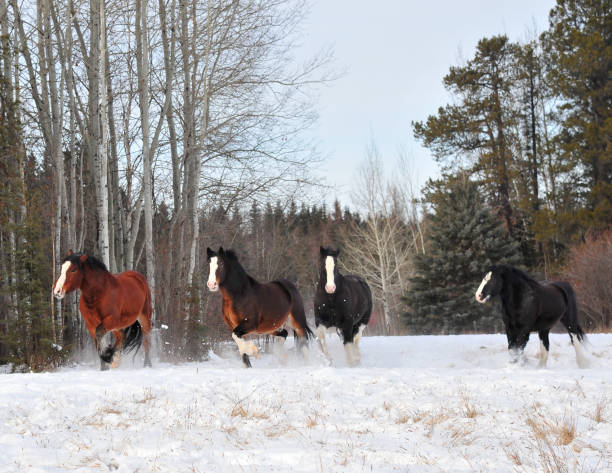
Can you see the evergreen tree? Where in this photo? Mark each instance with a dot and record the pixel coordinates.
(578, 44)
(480, 123)
(464, 239)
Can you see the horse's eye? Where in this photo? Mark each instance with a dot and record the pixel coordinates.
(73, 270)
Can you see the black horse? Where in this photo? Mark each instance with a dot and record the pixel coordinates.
(344, 302)
(532, 306)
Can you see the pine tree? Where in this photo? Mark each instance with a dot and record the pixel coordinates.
(578, 46)
(464, 239)
(479, 124)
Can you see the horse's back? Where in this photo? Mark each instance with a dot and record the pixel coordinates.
(136, 292)
(360, 288)
(289, 289)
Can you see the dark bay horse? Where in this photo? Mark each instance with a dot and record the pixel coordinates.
(344, 302)
(116, 307)
(532, 306)
(251, 307)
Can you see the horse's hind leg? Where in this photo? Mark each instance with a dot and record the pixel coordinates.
(145, 323)
(279, 338)
(574, 329)
(544, 347)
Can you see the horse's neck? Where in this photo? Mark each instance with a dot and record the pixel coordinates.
(237, 282)
(513, 292)
(94, 282)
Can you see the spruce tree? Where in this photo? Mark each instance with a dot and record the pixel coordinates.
(464, 239)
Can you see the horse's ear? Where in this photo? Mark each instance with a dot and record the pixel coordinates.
(83, 258)
(322, 250)
(209, 252)
(337, 252)
(69, 253)
(221, 251)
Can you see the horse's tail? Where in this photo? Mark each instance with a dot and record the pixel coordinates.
(570, 318)
(297, 308)
(368, 295)
(133, 337)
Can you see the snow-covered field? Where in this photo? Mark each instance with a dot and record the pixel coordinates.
(416, 404)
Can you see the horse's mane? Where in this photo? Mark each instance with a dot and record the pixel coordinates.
(93, 262)
(518, 274)
(232, 257)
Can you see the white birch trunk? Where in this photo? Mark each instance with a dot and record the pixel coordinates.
(142, 56)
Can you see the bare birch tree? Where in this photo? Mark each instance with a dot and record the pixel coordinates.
(381, 247)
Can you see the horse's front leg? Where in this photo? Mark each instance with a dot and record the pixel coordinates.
(245, 348)
(544, 348)
(517, 340)
(106, 341)
(92, 324)
(320, 332)
(350, 350)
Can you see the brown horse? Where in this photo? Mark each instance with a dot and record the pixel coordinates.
(116, 307)
(253, 307)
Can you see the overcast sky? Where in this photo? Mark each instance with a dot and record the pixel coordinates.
(395, 54)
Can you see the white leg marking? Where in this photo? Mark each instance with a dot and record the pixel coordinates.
(245, 347)
(349, 350)
(278, 348)
(58, 291)
(357, 338)
(484, 282)
(116, 358)
(330, 285)
(212, 278)
(320, 332)
(516, 354)
(543, 355)
(581, 358)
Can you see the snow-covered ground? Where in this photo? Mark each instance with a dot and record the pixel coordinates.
(416, 404)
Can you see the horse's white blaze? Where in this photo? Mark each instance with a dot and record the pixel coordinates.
(543, 355)
(58, 291)
(243, 346)
(330, 285)
(484, 282)
(212, 278)
(581, 358)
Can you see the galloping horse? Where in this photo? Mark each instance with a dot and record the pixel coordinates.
(532, 306)
(344, 302)
(116, 307)
(253, 307)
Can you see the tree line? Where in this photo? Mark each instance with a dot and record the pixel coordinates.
(143, 132)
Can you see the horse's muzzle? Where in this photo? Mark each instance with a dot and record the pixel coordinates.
(330, 289)
(59, 295)
(212, 286)
(481, 299)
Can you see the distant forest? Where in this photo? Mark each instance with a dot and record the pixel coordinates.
(143, 132)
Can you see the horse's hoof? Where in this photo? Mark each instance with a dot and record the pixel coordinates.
(246, 361)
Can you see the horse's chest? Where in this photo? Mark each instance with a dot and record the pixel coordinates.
(331, 313)
(232, 314)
